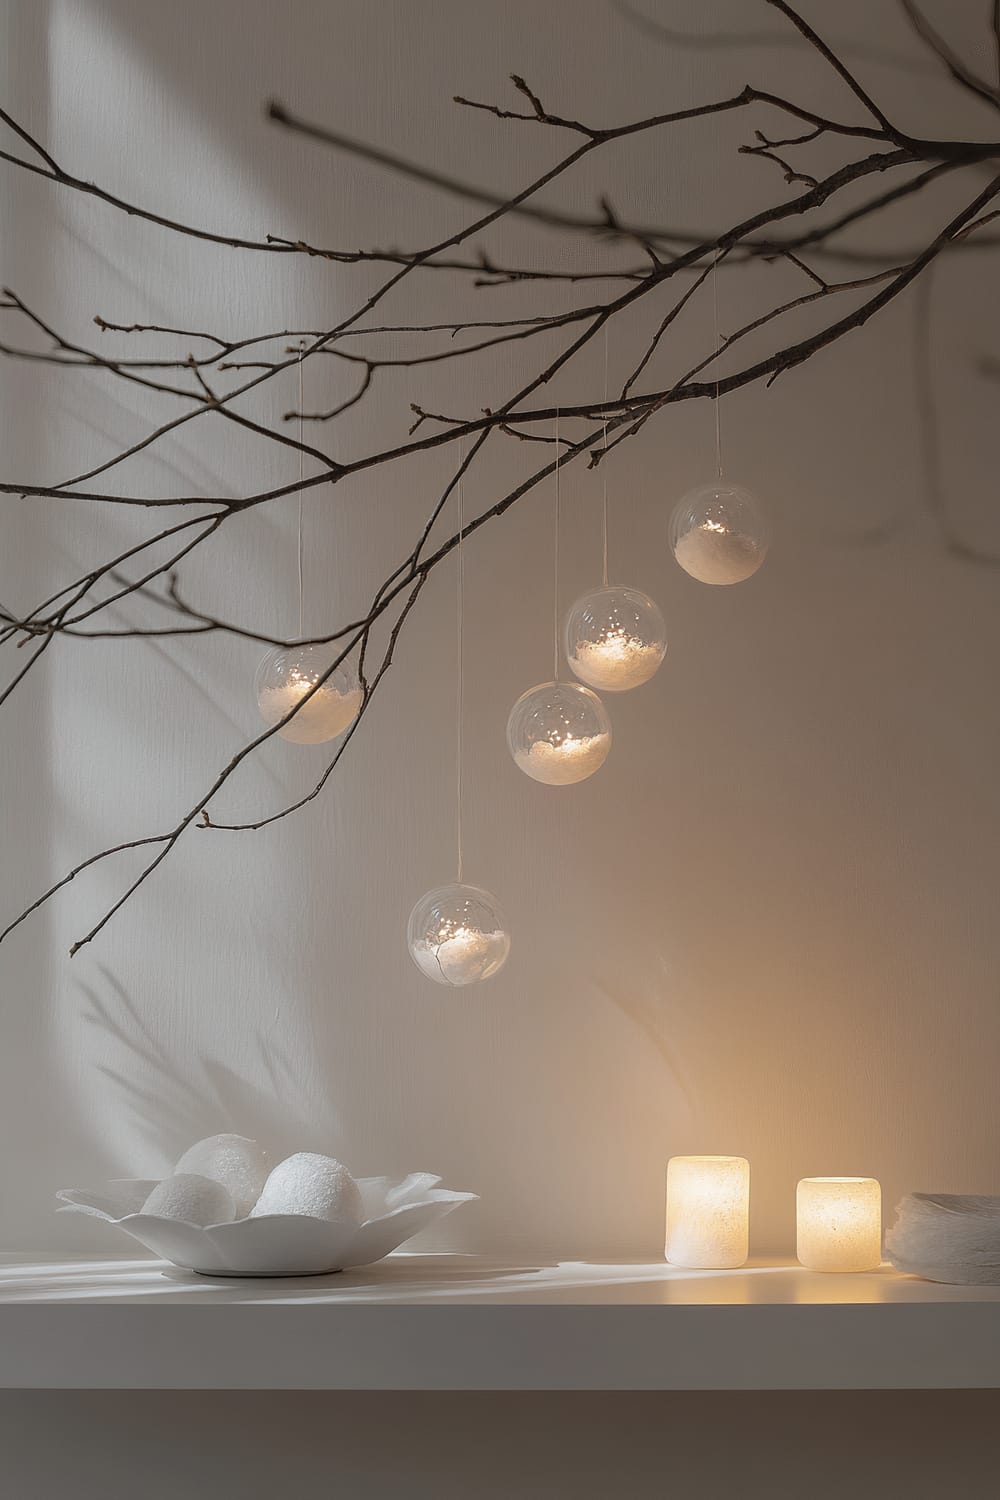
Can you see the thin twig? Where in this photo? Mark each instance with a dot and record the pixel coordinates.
(788, 230)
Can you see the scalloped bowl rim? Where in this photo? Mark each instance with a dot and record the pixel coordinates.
(277, 1244)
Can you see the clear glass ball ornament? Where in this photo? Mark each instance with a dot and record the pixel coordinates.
(719, 534)
(615, 638)
(457, 934)
(559, 733)
(287, 674)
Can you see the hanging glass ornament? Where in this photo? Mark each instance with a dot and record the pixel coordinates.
(559, 733)
(719, 533)
(457, 935)
(287, 674)
(615, 638)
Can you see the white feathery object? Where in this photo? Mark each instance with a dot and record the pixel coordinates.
(947, 1237)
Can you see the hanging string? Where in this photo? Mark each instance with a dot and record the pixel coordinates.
(604, 461)
(555, 590)
(460, 656)
(301, 476)
(718, 348)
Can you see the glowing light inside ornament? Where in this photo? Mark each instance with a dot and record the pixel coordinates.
(719, 534)
(615, 638)
(566, 762)
(559, 733)
(457, 935)
(284, 678)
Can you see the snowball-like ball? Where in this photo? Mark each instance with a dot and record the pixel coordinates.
(308, 1183)
(196, 1200)
(238, 1163)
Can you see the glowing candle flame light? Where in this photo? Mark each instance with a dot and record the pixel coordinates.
(615, 638)
(838, 1223)
(708, 1212)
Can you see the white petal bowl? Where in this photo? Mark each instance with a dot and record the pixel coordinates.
(275, 1244)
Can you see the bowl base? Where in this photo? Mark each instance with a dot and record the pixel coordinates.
(259, 1275)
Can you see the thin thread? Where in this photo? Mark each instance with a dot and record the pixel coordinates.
(460, 657)
(718, 347)
(555, 590)
(604, 461)
(301, 476)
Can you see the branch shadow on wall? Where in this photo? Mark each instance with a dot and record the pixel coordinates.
(171, 1106)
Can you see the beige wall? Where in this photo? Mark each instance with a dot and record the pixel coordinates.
(768, 926)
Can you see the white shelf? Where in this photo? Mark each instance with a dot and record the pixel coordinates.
(432, 1322)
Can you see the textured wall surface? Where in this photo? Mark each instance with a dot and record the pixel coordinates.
(767, 927)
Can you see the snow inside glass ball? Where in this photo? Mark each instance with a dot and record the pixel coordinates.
(559, 733)
(287, 674)
(458, 935)
(719, 533)
(615, 638)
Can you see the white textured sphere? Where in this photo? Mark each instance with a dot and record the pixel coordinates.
(615, 638)
(241, 1165)
(719, 534)
(311, 1184)
(196, 1200)
(559, 733)
(457, 935)
(284, 678)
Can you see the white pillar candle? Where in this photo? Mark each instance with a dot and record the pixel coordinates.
(838, 1223)
(708, 1211)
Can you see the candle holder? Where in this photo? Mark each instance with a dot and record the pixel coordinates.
(708, 1212)
(838, 1223)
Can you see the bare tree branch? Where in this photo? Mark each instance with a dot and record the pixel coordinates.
(219, 375)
